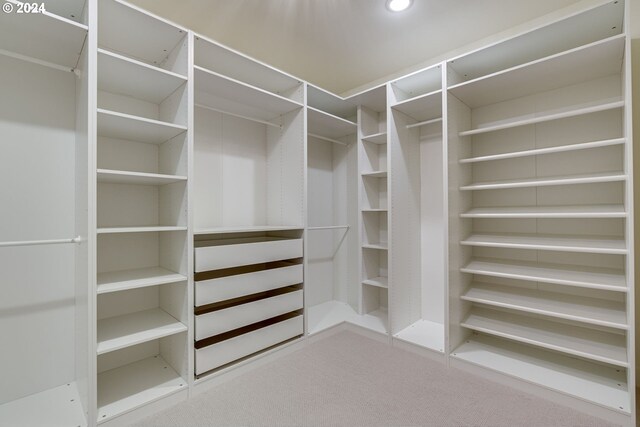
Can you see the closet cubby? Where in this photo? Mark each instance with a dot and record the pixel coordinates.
(539, 268)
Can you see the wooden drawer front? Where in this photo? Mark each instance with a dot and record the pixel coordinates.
(225, 288)
(228, 319)
(227, 351)
(246, 252)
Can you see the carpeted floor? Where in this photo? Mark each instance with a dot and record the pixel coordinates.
(349, 380)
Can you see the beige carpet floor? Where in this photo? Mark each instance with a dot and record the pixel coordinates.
(350, 380)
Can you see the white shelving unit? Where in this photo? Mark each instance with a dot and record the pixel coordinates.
(541, 269)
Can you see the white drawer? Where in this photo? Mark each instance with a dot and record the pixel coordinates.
(228, 319)
(225, 288)
(218, 254)
(227, 351)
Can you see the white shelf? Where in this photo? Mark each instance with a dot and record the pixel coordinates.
(125, 76)
(423, 107)
(328, 314)
(325, 101)
(133, 128)
(380, 282)
(43, 37)
(375, 210)
(591, 244)
(245, 229)
(547, 181)
(418, 83)
(597, 211)
(115, 281)
(327, 125)
(585, 277)
(375, 174)
(594, 382)
(375, 321)
(226, 94)
(595, 311)
(376, 138)
(61, 406)
(599, 59)
(124, 331)
(578, 341)
(137, 178)
(143, 229)
(546, 116)
(424, 333)
(377, 246)
(131, 386)
(548, 150)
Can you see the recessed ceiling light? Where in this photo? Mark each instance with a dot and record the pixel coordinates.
(398, 5)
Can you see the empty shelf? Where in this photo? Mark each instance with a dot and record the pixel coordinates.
(375, 174)
(593, 244)
(597, 211)
(599, 59)
(119, 332)
(579, 341)
(546, 117)
(327, 125)
(137, 178)
(594, 311)
(586, 277)
(424, 333)
(591, 381)
(245, 229)
(423, 107)
(375, 210)
(381, 282)
(142, 229)
(125, 76)
(376, 138)
(131, 386)
(548, 150)
(378, 246)
(44, 37)
(547, 181)
(137, 278)
(133, 128)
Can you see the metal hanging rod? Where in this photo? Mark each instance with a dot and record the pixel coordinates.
(324, 138)
(427, 122)
(264, 122)
(77, 239)
(330, 227)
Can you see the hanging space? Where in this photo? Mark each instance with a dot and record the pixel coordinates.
(44, 248)
(249, 208)
(332, 211)
(540, 200)
(418, 209)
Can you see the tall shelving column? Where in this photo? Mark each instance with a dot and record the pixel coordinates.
(142, 209)
(541, 282)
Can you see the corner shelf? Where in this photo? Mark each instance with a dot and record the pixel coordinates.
(136, 278)
(328, 125)
(133, 128)
(380, 282)
(424, 333)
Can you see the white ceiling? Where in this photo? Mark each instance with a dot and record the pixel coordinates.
(340, 45)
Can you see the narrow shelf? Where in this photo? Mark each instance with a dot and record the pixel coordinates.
(381, 282)
(597, 211)
(548, 150)
(43, 37)
(124, 331)
(376, 138)
(546, 117)
(374, 210)
(600, 346)
(595, 244)
(137, 178)
(375, 174)
(594, 382)
(220, 92)
(131, 386)
(123, 280)
(245, 229)
(143, 229)
(378, 246)
(594, 60)
(547, 181)
(423, 107)
(593, 311)
(133, 128)
(424, 333)
(126, 76)
(61, 405)
(328, 125)
(585, 277)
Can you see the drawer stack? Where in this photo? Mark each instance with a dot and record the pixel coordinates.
(248, 295)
